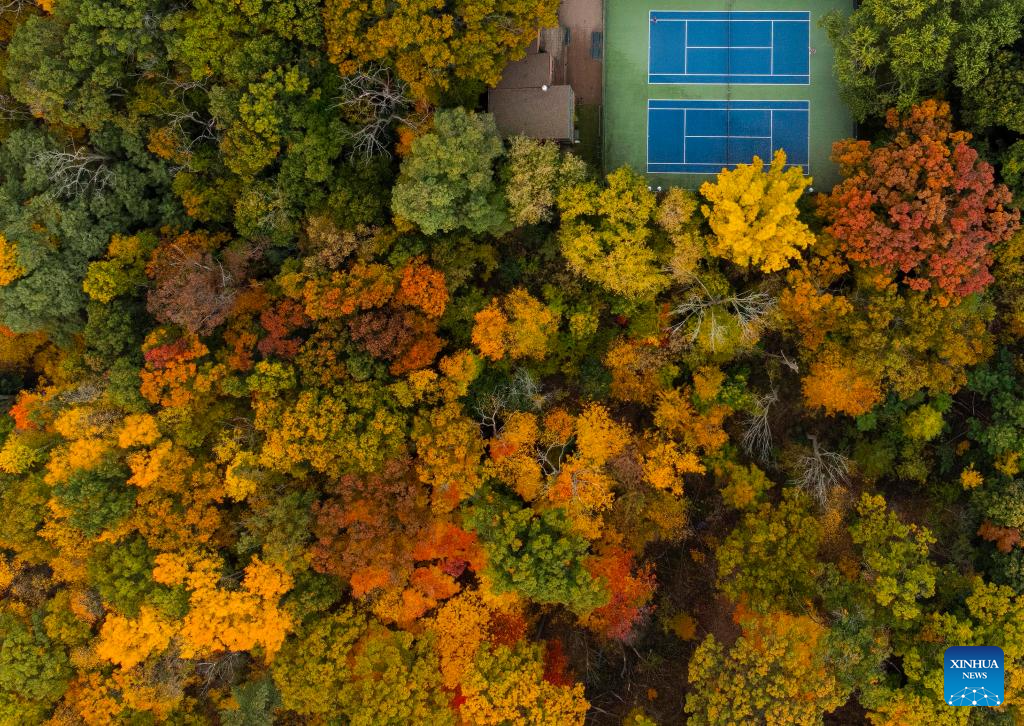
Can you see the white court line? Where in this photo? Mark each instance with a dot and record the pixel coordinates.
(652, 168)
(719, 83)
(722, 108)
(686, 45)
(729, 20)
(727, 75)
(685, 119)
(714, 102)
(805, 13)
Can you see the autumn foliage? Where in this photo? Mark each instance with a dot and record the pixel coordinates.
(837, 387)
(431, 45)
(520, 326)
(323, 401)
(754, 216)
(922, 206)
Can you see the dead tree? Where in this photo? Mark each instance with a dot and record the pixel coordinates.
(523, 391)
(822, 471)
(14, 6)
(220, 670)
(757, 437)
(375, 100)
(703, 310)
(74, 173)
(193, 128)
(11, 110)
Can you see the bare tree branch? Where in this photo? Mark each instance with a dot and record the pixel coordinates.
(785, 360)
(757, 438)
(11, 110)
(523, 391)
(76, 172)
(703, 310)
(221, 670)
(85, 392)
(822, 471)
(14, 6)
(193, 128)
(551, 467)
(379, 100)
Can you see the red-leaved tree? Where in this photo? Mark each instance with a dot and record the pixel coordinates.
(631, 591)
(922, 207)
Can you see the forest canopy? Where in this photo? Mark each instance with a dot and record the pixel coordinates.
(324, 403)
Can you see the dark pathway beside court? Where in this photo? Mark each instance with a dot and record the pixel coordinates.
(584, 73)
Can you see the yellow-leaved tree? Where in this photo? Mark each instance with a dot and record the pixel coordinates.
(517, 326)
(507, 685)
(221, 620)
(776, 673)
(607, 236)
(840, 386)
(754, 216)
(434, 45)
(10, 270)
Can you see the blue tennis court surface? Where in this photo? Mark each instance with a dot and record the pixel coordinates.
(741, 47)
(703, 137)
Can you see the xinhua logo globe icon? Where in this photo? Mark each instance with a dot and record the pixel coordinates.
(974, 697)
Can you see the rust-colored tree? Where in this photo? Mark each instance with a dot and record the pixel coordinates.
(922, 207)
(195, 286)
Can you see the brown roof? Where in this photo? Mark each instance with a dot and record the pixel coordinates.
(534, 112)
(533, 71)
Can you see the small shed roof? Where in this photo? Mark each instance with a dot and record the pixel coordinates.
(534, 112)
(533, 71)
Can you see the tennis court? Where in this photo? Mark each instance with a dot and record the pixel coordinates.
(735, 47)
(705, 136)
(693, 87)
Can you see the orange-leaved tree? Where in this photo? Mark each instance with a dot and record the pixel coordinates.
(922, 207)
